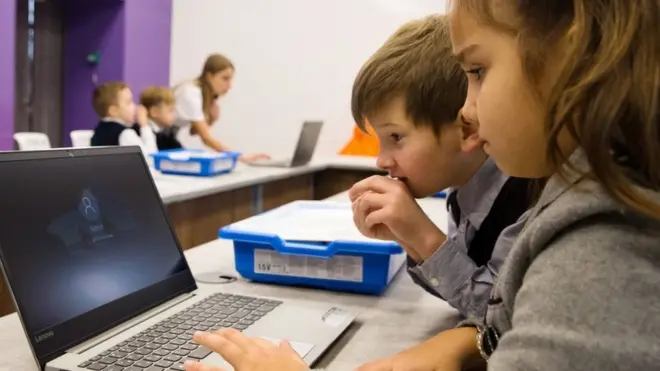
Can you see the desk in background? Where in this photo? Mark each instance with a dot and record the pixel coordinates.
(198, 207)
(403, 316)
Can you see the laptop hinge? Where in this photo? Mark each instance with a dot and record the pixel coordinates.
(91, 343)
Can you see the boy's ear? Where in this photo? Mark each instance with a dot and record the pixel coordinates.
(470, 136)
(113, 110)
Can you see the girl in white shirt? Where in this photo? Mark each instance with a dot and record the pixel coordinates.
(197, 105)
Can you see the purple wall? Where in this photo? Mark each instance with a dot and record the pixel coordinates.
(89, 26)
(7, 68)
(148, 42)
(133, 38)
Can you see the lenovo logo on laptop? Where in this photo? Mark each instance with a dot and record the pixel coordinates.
(45, 336)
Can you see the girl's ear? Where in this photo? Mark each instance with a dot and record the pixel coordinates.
(470, 139)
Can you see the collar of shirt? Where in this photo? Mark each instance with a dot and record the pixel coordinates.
(112, 119)
(154, 127)
(476, 197)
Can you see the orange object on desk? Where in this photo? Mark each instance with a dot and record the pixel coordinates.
(362, 144)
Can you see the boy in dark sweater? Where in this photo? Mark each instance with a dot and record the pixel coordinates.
(113, 102)
(159, 103)
(411, 92)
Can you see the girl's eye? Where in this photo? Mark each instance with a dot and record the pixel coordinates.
(395, 137)
(478, 72)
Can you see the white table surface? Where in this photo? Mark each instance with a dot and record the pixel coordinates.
(403, 316)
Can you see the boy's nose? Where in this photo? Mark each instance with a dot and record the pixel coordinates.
(384, 162)
(469, 110)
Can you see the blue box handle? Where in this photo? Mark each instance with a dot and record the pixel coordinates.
(310, 249)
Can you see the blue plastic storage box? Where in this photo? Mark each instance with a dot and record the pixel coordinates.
(441, 194)
(196, 162)
(290, 246)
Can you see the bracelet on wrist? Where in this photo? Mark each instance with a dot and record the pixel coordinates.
(487, 340)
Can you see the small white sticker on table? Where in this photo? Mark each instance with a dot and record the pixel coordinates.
(339, 267)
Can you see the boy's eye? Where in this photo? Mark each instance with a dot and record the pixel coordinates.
(478, 72)
(395, 137)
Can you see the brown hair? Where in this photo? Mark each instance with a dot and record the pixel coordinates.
(156, 95)
(416, 63)
(608, 92)
(105, 95)
(215, 63)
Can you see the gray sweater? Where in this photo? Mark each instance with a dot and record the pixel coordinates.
(580, 289)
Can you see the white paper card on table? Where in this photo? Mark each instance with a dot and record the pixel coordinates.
(309, 221)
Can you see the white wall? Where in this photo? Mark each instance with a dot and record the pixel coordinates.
(295, 60)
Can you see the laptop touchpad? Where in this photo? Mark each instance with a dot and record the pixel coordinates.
(301, 348)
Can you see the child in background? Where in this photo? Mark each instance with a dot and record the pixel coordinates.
(197, 104)
(113, 102)
(159, 103)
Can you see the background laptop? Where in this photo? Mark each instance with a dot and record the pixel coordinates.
(309, 136)
(99, 279)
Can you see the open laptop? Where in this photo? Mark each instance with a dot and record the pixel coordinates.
(100, 281)
(309, 136)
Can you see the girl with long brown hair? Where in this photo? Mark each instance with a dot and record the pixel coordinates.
(197, 102)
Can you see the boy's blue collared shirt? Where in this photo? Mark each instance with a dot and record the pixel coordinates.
(450, 273)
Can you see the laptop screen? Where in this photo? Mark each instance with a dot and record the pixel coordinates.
(309, 136)
(85, 244)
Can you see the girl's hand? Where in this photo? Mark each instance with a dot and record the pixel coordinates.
(251, 157)
(247, 354)
(451, 350)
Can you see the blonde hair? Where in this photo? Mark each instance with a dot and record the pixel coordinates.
(154, 96)
(215, 63)
(416, 63)
(608, 92)
(106, 95)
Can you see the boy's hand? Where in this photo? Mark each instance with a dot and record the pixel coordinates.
(383, 208)
(142, 115)
(247, 354)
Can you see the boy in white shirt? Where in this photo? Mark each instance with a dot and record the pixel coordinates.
(113, 102)
(159, 103)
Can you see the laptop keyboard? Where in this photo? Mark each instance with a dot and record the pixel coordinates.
(168, 344)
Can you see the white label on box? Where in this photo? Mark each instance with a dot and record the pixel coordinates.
(339, 267)
(222, 164)
(183, 167)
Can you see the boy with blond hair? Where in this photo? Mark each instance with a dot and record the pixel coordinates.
(159, 103)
